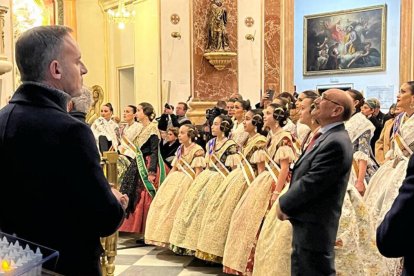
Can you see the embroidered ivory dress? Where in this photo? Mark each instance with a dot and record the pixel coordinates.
(108, 129)
(216, 221)
(186, 228)
(275, 239)
(238, 134)
(249, 214)
(355, 250)
(385, 183)
(169, 197)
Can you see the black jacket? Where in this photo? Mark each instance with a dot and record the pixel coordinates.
(395, 233)
(53, 190)
(175, 121)
(168, 151)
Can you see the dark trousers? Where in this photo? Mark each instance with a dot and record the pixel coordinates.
(306, 262)
(79, 267)
(104, 144)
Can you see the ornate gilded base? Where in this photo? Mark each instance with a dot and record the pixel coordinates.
(220, 59)
(5, 66)
(107, 260)
(197, 113)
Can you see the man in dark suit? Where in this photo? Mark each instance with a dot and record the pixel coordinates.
(395, 233)
(314, 200)
(53, 190)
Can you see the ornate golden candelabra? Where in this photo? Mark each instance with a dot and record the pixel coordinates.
(109, 243)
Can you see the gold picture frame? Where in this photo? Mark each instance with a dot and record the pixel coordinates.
(347, 41)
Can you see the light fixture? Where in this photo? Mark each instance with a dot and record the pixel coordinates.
(122, 15)
(176, 35)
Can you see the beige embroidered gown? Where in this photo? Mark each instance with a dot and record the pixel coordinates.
(250, 211)
(216, 221)
(385, 183)
(187, 222)
(169, 197)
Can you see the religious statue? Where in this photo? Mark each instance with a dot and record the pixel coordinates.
(95, 111)
(217, 39)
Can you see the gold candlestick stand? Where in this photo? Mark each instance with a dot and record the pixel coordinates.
(109, 244)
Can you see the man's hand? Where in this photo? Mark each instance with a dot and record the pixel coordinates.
(122, 198)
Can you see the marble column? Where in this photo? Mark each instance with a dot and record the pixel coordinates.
(209, 84)
(272, 45)
(406, 41)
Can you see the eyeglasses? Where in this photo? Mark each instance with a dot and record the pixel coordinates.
(323, 97)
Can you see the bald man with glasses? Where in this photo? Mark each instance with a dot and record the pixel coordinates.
(314, 200)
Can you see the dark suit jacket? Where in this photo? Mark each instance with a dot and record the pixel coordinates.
(314, 199)
(53, 190)
(395, 233)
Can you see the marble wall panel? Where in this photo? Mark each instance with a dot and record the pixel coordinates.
(209, 83)
(272, 44)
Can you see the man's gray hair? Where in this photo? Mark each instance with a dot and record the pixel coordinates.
(37, 48)
(83, 102)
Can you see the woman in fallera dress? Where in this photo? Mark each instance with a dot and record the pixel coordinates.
(188, 163)
(129, 129)
(274, 245)
(130, 125)
(385, 183)
(216, 221)
(249, 214)
(238, 134)
(221, 158)
(104, 129)
(141, 179)
(355, 250)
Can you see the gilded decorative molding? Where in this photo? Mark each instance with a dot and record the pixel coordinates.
(272, 44)
(113, 4)
(60, 12)
(175, 19)
(406, 41)
(287, 46)
(5, 66)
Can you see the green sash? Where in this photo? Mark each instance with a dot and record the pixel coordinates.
(162, 169)
(143, 173)
(142, 169)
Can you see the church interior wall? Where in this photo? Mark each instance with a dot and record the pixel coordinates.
(7, 79)
(91, 39)
(176, 52)
(250, 65)
(147, 60)
(360, 81)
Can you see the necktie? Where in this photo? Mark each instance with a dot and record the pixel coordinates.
(313, 140)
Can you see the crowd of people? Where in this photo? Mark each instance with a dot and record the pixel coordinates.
(296, 186)
(221, 204)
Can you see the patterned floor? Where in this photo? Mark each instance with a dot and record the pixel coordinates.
(155, 261)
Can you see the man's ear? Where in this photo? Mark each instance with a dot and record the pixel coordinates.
(55, 70)
(338, 110)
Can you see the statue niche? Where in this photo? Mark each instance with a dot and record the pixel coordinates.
(217, 39)
(217, 49)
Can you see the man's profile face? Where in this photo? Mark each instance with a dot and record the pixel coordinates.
(179, 110)
(72, 67)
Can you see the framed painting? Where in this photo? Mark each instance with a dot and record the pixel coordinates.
(343, 86)
(348, 41)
